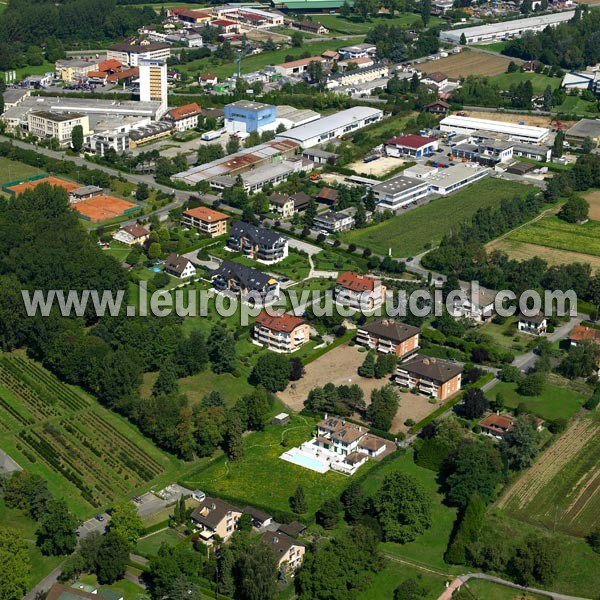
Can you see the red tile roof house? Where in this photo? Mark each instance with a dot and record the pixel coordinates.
(225, 26)
(430, 376)
(208, 79)
(496, 425)
(327, 196)
(183, 117)
(359, 291)
(389, 337)
(415, 146)
(209, 221)
(280, 333)
(581, 334)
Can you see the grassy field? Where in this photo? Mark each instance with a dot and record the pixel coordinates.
(579, 566)
(493, 47)
(507, 336)
(257, 61)
(555, 233)
(45, 67)
(557, 401)
(40, 565)
(90, 456)
(128, 589)
(149, 545)
(427, 550)
(11, 170)
(562, 489)
(539, 81)
(383, 584)
(422, 227)
(577, 105)
(263, 479)
(468, 62)
(355, 25)
(477, 589)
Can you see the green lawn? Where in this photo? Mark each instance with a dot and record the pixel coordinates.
(556, 401)
(383, 584)
(507, 336)
(149, 546)
(11, 170)
(539, 81)
(257, 61)
(263, 479)
(128, 589)
(339, 260)
(577, 105)
(418, 229)
(40, 565)
(427, 550)
(556, 233)
(355, 25)
(46, 67)
(477, 589)
(494, 47)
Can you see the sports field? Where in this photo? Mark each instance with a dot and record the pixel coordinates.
(561, 490)
(555, 233)
(69, 186)
(12, 170)
(90, 456)
(102, 208)
(468, 62)
(411, 233)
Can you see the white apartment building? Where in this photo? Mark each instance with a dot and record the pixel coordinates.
(133, 51)
(59, 126)
(398, 192)
(153, 83)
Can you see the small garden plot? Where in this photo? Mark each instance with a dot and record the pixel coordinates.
(149, 545)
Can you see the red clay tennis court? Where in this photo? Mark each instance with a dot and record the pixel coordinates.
(30, 185)
(101, 208)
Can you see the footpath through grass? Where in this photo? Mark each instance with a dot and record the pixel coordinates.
(419, 229)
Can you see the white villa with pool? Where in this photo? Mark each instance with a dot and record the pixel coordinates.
(340, 446)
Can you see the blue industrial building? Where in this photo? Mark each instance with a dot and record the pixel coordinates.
(245, 116)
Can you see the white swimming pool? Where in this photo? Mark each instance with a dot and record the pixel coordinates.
(313, 463)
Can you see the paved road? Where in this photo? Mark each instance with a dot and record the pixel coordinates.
(45, 584)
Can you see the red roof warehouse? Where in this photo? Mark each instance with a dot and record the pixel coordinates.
(411, 145)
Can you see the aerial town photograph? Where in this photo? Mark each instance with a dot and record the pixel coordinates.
(300, 300)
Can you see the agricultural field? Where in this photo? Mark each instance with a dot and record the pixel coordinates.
(557, 401)
(11, 170)
(90, 456)
(468, 62)
(555, 233)
(264, 480)
(419, 229)
(538, 80)
(561, 491)
(593, 199)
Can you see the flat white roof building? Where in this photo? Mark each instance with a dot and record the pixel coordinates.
(456, 177)
(505, 29)
(333, 126)
(399, 191)
(468, 125)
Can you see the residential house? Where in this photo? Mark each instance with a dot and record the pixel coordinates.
(216, 517)
(327, 196)
(580, 334)
(389, 337)
(496, 426)
(333, 222)
(439, 107)
(311, 27)
(208, 79)
(249, 283)
(331, 55)
(179, 266)
(209, 221)
(415, 146)
(183, 117)
(359, 291)
(293, 529)
(132, 234)
(437, 78)
(348, 439)
(479, 308)
(288, 551)
(431, 376)
(257, 243)
(535, 324)
(281, 333)
(282, 204)
(301, 201)
(259, 517)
